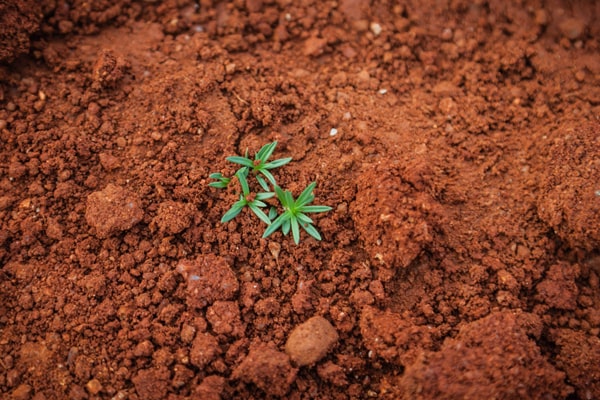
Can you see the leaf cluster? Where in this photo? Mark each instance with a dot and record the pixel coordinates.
(294, 210)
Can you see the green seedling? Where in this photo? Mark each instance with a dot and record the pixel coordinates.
(260, 165)
(294, 211)
(294, 214)
(247, 199)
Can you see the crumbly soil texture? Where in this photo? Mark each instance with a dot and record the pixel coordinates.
(457, 142)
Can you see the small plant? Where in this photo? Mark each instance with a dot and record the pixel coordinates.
(294, 211)
(246, 199)
(294, 214)
(260, 164)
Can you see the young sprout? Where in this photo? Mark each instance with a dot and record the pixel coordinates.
(260, 165)
(247, 199)
(222, 181)
(294, 213)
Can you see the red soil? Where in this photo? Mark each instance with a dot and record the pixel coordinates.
(458, 143)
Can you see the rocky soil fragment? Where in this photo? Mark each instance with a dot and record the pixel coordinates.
(204, 350)
(394, 232)
(495, 358)
(390, 336)
(173, 217)
(578, 357)
(268, 368)
(558, 289)
(211, 388)
(18, 20)
(113, 210)
(570, 198)
(310, 341)
(209, 278)
(151, 384)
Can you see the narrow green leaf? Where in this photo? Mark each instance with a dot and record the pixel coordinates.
(300, 205)
(258, 203)
(303, 219)
(285, 227)
(280, 196)
(216, 175)
(220, 185)
(269, 176)
(262, 183)
(272, 213)
(264, 196)
(237, 207)
(306, 196)
(289, 200)
(265, 152)
(259, 213)
(295, 230)
(241, 160)
(274, 226)
(244, 171)
(312, 231)
(277, 163)
(243, 183)
(314, 209)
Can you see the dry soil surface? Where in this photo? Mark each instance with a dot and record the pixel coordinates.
(457, 142)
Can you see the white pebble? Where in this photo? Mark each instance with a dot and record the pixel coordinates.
(333, 132)
(375, 28)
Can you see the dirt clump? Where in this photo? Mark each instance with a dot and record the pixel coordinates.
(491, 364)
(456, 143)
(173, 217)
(577, 355)
(209, 278)
(112, 210)
(18, 21)
(558, 289)
(310, 341)
(268, 368)
(570, 201)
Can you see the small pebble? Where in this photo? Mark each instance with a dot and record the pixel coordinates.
(121, 142)
(447, 34)
(364, 76)
(375, 28)
(572, 28)
(94, 386)
(22, 392)
(230, 68)
(38, 105)
(310, 341)
(541, 17)
(333, 132)
(156, 136)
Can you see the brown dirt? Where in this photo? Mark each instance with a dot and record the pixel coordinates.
(461, 258)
